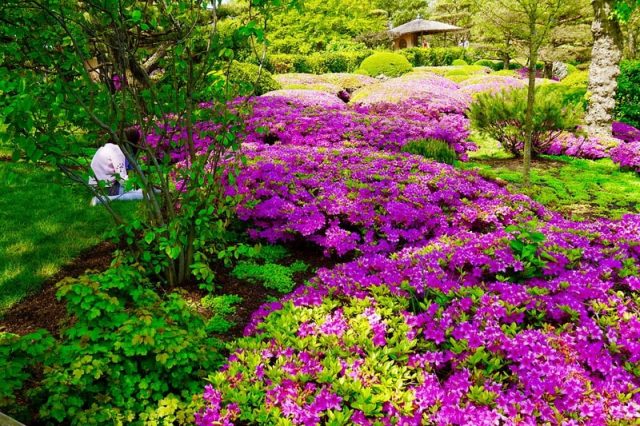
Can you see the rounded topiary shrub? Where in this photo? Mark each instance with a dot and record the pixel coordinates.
(385, 63)
(459, 62)
(250, 79)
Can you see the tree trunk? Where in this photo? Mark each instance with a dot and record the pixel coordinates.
(548, 70)
(531, 98)
(604, 69)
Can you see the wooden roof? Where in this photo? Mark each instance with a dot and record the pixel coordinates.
(423, 26)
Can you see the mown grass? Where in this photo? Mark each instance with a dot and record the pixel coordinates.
(580, 189)
(44, 223)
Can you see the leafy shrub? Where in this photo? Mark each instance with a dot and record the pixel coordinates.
(502, 116)
(221, 307)
(250, 79)
(389, 64)
(570, 95)
(130, 357)
(433, 149)
(576, 80)
(459, 62)
(439, 56)
(271, 275)
(494, 65)
(317, 63)
(628, 93)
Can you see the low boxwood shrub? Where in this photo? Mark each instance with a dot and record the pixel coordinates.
(250, 79)
(317, 63)
(502, 116)
(385, 63)
(459, 62)
(494, 65)
(130, 356)
(628, 93)
(433, 149)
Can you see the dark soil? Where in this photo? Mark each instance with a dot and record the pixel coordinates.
(43, 310)
(516, 163)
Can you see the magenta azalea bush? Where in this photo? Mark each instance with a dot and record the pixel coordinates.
(625, 132)
(467, 329)
(581, 146)
(365, 201)
(627, 155)
(286, 121)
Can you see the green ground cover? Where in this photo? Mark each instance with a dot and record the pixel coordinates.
(44, 223)
(578, 188)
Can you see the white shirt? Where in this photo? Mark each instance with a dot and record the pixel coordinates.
(108, 163)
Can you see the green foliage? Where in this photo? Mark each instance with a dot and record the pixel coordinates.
(433, 149)
(19, 357)
(439, 56)
(249, 78)
(494, 65)
(459, 62)
(317, 63)
(130, 357)
(526, 244)
(221, 307)
(628, 93)
(577, 80)
(385, 63)
(271, 275)
(36, 242)
(580, 189)
(502, 116)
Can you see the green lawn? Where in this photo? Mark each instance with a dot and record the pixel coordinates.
(44, 223)
(578, 188)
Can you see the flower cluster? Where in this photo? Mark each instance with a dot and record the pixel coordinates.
(627, 155)
(453, 333)
(625, 132)
(363, 200)
(286, 121)
(581, 146)
(489, 83)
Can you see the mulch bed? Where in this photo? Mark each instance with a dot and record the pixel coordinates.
(43, 310)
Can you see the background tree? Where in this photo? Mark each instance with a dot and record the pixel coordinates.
(608, 42)
(79, 72)
(530, 23)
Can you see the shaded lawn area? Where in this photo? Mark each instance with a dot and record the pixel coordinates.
(578, 188)
(44, 223)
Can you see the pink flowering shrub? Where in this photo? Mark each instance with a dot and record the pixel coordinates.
(384, 126)
(454, 332)
(309, 97)
(625, 132)
(580, 146)
(363, 200)
(627, 155)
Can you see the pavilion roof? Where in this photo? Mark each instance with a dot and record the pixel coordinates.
(423, 26)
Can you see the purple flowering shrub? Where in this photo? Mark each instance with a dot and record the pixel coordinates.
(308, 97)
(443, 334)
(363, 200)
(627, 155)
(625, 132)
(384, 126)
(581, 146)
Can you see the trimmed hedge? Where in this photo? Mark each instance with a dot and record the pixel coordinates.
(317, 63)
(387, 63)
(245, 76)
(439, 56)
(628, 93)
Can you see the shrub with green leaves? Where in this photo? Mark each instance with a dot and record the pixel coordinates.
(502, 116)
(459, 62)
(433, 149)
(385, 63)
(221, 307)
(628, 93)
(494, 65)
(439, 56)
(271, 275)
(250, 79)
(130, 357)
